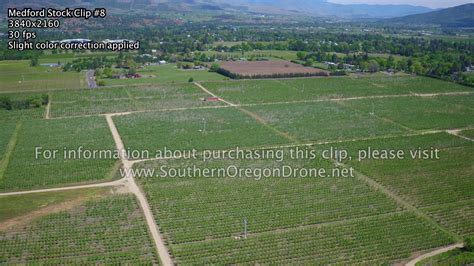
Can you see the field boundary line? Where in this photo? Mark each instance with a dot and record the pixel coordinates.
(456, 133)
(130, 97)
(379, 187)
(132, 186)
(9, 150)
(96, 185)
(253, 115)
(212, 94)
(262, 121)
(433, 253)
(144, 111)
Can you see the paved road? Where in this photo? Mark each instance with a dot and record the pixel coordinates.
(90, 77)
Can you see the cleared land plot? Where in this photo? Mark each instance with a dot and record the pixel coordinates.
(125, 99)
(253, 69)
(441, 187)
(25, 171)
(419, 113)
(21, 209)
(166, 74)
(372, 240)
(221, 128)
(304, 89)
(20, 76)
(111, 230)
(322, 121)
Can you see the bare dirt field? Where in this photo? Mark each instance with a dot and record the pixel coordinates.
(267, 69)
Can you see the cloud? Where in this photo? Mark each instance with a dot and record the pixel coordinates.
(427, 3)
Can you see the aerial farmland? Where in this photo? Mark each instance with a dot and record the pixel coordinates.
(283, 151)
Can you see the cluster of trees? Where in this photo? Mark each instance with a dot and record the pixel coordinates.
(6, 54)
(18, 104)
(176, 41)
(88, 63)
(125, 61)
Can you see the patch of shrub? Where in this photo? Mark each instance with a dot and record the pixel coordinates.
(19, 104)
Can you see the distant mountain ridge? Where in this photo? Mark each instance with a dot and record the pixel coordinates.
(459, 16)
(319, 8)
(324, 8)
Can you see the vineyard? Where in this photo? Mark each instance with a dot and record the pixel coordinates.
(125, 99)
(422, 113)
(322, 121)
(26, 171)
(389, 211)
(372, 240)
(270, 91)
(442, 188)
(194, 129)
(106, 231)
(210, 208)
(6, 131)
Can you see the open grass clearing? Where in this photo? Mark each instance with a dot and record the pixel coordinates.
(165, 74)
(18, 76)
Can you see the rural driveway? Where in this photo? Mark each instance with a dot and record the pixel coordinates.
(90, 77)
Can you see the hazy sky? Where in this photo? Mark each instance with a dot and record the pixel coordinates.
(428, 3)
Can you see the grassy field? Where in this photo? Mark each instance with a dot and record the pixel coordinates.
(20, 76)
(168, 73)
(110, 230)
(26, 171)
(267, 91)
